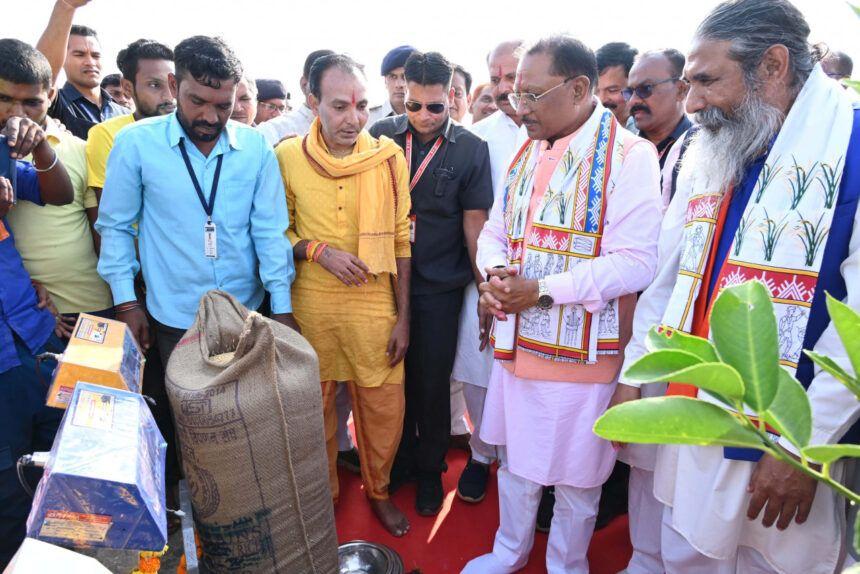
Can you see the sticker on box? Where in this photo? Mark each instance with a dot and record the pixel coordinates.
(75, 526)
(94, 410)
(91, 330)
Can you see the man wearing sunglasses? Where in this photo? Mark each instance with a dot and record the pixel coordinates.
(655, 97)
(452, 191)
(565, 252)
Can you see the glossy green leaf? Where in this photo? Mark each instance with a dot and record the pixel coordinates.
(659, 339)
(674, 420)
(855, 7)
(717, 378)
(837, 371)
(847, 323)
(743, 327)
(790, 413)
(853, 84)
(827, 453)
(658, 366)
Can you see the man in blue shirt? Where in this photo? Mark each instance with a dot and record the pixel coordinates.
(82, 102)
(26, 328)
(208, 200)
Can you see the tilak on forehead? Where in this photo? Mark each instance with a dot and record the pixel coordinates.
(353, 97)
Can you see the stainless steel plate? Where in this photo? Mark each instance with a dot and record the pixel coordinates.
(361, 557)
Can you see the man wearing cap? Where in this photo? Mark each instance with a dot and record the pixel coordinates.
(271, 100)
(298, 121)
(395, 82)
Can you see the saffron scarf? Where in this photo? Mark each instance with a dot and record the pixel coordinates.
(372, 161)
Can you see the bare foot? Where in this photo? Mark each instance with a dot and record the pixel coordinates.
(390, 516)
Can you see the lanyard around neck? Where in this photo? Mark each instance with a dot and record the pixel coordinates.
(421, 168)
(209, 206)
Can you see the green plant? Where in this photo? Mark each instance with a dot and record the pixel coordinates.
(800, 182)
(741, 369)
(812, 237)
(770, 232)
(766, 177)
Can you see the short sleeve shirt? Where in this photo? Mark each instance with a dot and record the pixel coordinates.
(457, 179)
(79, 114)
(99, 144)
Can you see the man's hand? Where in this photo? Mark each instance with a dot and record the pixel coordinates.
(398, 342)
(487, 303)
(345, 266)
(75, 3)
(288, 320)
(623, 393)
(23, 135)
(65, 325)
(7, 197)
(485, 325)
(512, 293)
(787, 492)
(139, 325)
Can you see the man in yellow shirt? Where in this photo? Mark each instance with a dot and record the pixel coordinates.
(55, 241)
(348, 199)
(145, 65)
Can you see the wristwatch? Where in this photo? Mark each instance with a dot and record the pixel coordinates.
(545, 300)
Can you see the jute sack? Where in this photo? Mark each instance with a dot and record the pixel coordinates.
(246, 397)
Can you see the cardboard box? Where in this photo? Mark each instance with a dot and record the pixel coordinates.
(37, 557)
(102, 352)
(103, 484)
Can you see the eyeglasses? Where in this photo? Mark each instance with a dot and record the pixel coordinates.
(272, 107)
(516, 98)
(414, 106)
(644, 91)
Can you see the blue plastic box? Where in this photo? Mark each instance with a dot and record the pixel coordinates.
(104, 480)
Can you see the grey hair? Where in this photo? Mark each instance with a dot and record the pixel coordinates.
(753, 26)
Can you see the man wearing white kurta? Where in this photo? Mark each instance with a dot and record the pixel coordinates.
(504, 135)
(566, 250)
(763, 105)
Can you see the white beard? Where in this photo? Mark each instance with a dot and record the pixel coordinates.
(725, 145)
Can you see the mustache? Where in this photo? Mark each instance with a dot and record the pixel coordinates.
(166, 107)
(610, 105)
(640, 108)
(503, 98)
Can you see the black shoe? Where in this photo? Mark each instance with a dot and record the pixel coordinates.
(472, 486)
(428, 497)
(547, 503)
(461, 441)
(349, 460)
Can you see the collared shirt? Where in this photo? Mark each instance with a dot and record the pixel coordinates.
(79, 114)
(148, 183)
(296, 122)
(56, 242)
(663, 146)
(382, 111)
(19, 312)
(504, 138)
(99, 144)
(457, 179)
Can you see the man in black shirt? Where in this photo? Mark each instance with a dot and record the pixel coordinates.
(452, 191)
(655, 97)
(81, 103)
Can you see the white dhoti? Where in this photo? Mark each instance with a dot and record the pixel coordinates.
(707, 497)
(471, 372)
(545, 428)
(459, 425)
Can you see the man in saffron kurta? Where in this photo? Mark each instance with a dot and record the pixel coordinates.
(566, 249)
(348, 198)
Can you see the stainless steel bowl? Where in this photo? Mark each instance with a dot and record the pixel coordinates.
(362, 557)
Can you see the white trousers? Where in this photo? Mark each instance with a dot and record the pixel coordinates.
(646, 514)
(344, 407)
(679, 557)
(458, 409)
(570, 533)
(475, 396)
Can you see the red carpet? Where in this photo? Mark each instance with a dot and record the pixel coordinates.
(443, 544)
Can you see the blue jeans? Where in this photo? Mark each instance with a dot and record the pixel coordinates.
(26, 425)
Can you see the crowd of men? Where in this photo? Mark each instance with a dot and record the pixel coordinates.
(496, 250)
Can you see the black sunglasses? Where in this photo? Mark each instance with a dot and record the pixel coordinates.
(413, 106)
(644, 91)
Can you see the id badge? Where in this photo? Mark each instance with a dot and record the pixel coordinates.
(210, 241)
(412, 224)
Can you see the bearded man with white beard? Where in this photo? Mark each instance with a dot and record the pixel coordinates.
(778, 144)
